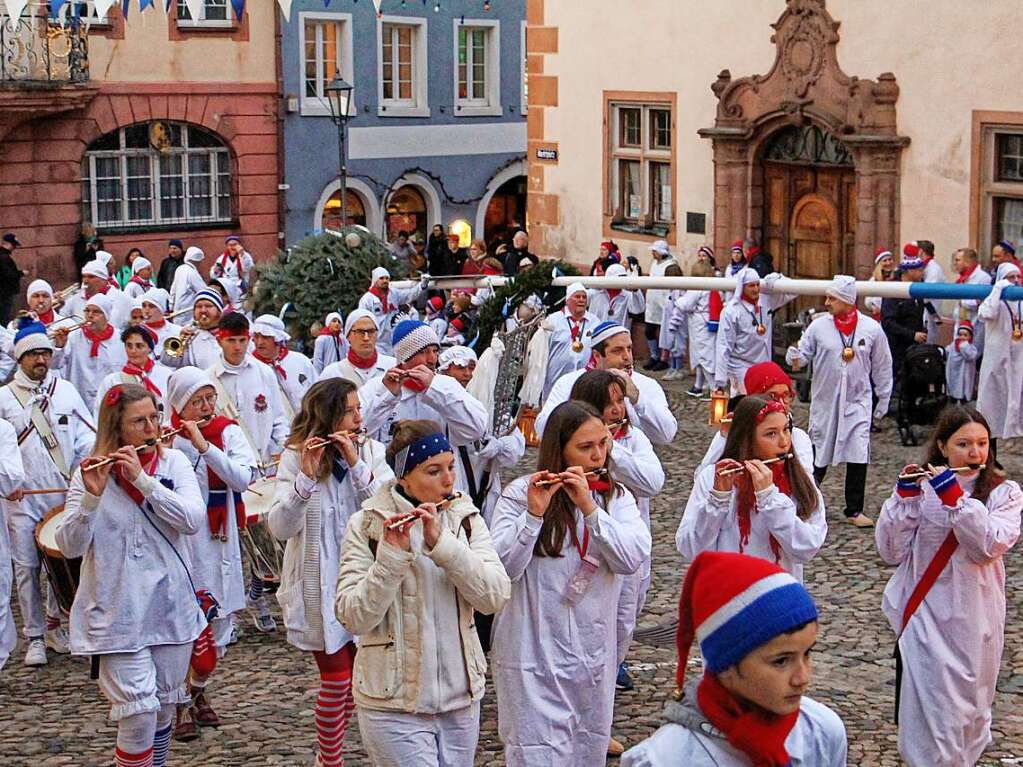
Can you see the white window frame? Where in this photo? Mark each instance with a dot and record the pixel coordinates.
(203, 22)
(524, 73)
(89, 17)
(644, 154)
(489, 106)
(318, 107)
(992, 188)
(420, 105)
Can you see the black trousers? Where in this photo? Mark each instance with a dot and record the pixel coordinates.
(6, 307)
(855, 485)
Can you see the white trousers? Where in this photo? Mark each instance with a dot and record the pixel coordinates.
(140, 682)
(28, 571)
(631, 601)
(397, 739)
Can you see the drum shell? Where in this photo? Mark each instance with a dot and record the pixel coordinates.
(63, 573)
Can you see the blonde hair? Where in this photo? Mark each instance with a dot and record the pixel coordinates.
(108, 425)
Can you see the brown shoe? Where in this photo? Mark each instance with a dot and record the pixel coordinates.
(184, 728)
(615, 748)
(202, 712)
(860, 520)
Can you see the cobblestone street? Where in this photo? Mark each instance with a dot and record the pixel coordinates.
(264, 690)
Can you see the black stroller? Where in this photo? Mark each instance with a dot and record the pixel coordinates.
(922, 392)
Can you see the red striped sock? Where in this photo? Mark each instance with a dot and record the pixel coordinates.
(124, 759)
(334, 706)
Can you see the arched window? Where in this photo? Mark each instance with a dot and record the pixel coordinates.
(356, 211)
(406, 211)
(155, 174)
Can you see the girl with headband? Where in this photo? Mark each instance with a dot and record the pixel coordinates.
(757, 499)
(415, 562)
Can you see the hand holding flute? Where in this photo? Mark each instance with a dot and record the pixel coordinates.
(397, 528)
(95, 462)
(915, 473)
(726, 471)
(346, 441)
(574, 481)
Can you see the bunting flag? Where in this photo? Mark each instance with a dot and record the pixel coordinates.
(15, 7)
(285, 9)
(376, 4)
(101, 7)
(239, 8)
(143, 4)
(194, 8)
(55, 6)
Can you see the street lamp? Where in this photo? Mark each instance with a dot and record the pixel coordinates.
(339, 98)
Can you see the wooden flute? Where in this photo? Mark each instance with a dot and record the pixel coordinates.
(598, 472)
(355, 434)
(404, 519)
(956, 470)
(739, 469)
(148, 443)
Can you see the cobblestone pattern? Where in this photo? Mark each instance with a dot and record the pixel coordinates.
(265, 690)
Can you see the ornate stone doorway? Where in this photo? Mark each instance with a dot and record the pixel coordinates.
(806, 158)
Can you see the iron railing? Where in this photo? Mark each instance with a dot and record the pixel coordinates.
(37, 51)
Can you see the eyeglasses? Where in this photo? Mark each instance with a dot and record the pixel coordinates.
(141, 422)
(364, 332)
(39, 353)
(203, 399)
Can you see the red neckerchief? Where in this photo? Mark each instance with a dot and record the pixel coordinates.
(229, 256)
(382, 295)
(359, 362)
(621, 434)
(613, 294)
(140, 373)
(413, 385)
(328, 332)
(276, 362)
(216, 509)
(97, 338)
(757, 733)
(966, 275)
(112, 283)
(598, 485)
(846, 324)
(754, 304)
(155, 324)
(148, 466)
(575, 327)
(47, 317)
(746, 504)
(139, 281)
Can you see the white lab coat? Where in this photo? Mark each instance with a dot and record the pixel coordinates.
(313, 529)
(327, 350)
(226, 271)
(656, 299)
(966, 309)
(801, 446)
(710, 523)
(817, 740)
(202, 352)
(561, 359)
(134, 290)
(738, 346)
(554, 664)
(961, 370)
(651, 414)
(84, 371)
(359, 376)
(300, 376)
(1000, 392)
(695, 306)
(488, 457)
(12, 476)
(186, 286)
(159, 375)
(674, 341)
(134, 591)
(952, 645)
(387, 316)
(933, 273)
(252, 388)
(217, 565)
(840, 395)
(603, 307)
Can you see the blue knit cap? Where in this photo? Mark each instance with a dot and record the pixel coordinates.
(31, 335)
(410, 337)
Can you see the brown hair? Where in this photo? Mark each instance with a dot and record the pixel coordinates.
(673, 270)
(739, 447)
(108, 425)
(592, 387)
(559, 519)
(950, 420)
(322, 405)
(408, 431)
(480, 245)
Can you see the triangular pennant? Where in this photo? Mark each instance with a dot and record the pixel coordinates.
(55, 7)
(239, 8)
(285, 9)
(15, 7)
(124, 8)
(143, 4)
(102, 6)
(194, 8)
(376, 4)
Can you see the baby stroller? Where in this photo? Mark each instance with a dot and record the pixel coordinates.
(922, 391)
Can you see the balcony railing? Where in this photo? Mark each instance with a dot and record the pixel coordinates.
(35, 51)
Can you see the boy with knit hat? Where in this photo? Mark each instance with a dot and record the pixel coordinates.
(756, 626)
(188, 282)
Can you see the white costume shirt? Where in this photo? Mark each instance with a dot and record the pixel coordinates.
(738, 346)
(120, 307)
(159, 375)
(966, 308)
(603, 307)
(134, 591)
(651, 414)
(186, 286)
(1000, 392)
(695, 306)
(386, 316)
(545, 664)
(840, 395)
(133, 290)
(202, 352)
(952, 645)
(961, 370)
(657, 299)
(86, 372)
(165, 331)
(561, 359)
(328, 349)
(486, 458)
(226, 269)
(359, 376)
(251, 388)
(710, 523)
(300, 375)
(12, 476)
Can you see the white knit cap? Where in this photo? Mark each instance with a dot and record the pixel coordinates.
(183, 383)
(1005, 269)
(377, 273)
(744, 277)
(158, 297)
(616, 270)
(460, 356)
(96, 269)
(102, 302)
(355, 316)
(104, 257)
(39, 286)
(194, 254)
(842, 287)
(271, 326)
(139, 264)
(331, 317)
(575, 287)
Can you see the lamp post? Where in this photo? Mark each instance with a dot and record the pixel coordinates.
(339, 96)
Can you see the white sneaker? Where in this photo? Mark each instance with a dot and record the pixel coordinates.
(260, 612)
(36, 654)
(672, 375)
(56, 640)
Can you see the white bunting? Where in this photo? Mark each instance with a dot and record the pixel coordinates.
(376, 4)
(14, 9)
(195, 8)
(286, 9)
(102, 6)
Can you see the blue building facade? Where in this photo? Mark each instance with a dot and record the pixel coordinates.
(438, 132)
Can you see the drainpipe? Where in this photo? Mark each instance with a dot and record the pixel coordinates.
(282, 206)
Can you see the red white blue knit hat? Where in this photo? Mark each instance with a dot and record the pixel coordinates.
(410, 337)
(733, 604)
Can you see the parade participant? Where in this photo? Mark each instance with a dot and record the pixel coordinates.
(383, 302)
(413, 390)
(567, 545)
(946, 600)
(611, 304)
(294, 372)
(569, 339)
(884, 271)
(135, 607)
(756, 627)
(737, 259)
(413, 570)
(773, 511)
(903, 318)
(12, 476)
(639, 469)
(329, 346)
(140, 368)
(201, 346)
(96, 281)
(154, 307)
(174, 258)
(136, 316)
(961, 365)
(1003, 252)
(673, 339)
(435, 316)
(851, 364)
(1000, 391)
(745, 333)
(188, 283)
(55, 432)
(324, 476)
(966, 263)
(141, 278)
(661, 259)
(86, 356)
(362, 362)
(692, 307)
(224, 466)
(233, 267)
(40, 304)
(647, 406)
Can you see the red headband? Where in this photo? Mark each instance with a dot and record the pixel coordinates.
(771, 407)
(225, 333)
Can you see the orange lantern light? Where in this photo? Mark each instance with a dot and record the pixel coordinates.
(718, 408)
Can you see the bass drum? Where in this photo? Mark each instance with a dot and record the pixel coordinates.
(62, 573)
(266, 553)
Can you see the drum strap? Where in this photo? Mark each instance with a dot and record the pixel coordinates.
(228, 407)
(40, 423)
